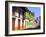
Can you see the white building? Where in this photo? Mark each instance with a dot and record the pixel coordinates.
(18, 21)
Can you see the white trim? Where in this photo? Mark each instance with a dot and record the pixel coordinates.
(24, 31)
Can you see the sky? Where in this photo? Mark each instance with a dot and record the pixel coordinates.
(35, 10)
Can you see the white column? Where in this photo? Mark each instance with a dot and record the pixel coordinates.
(24, 25)
(20, 23)
(21, 16)
(16, 23)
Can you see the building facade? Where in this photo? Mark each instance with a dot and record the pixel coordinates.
(19, 22)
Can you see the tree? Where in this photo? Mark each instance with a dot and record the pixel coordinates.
(28, 15)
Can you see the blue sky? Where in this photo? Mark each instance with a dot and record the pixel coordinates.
(35, 10)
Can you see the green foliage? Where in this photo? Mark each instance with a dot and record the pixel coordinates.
(27, 15)
(29, 24)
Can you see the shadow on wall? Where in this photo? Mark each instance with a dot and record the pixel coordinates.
(9, 36)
